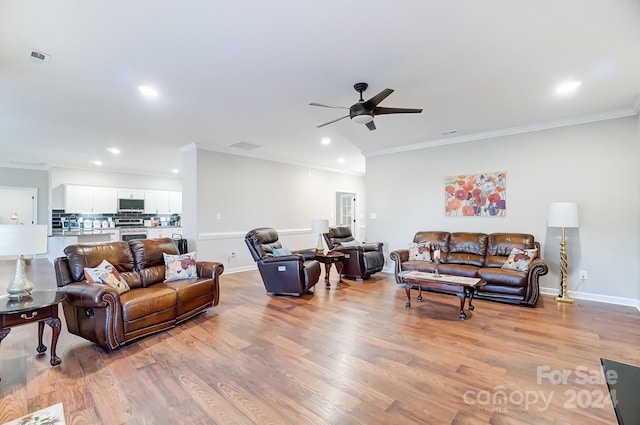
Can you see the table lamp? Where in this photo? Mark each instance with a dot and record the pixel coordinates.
(320, 226)
(563, 214)
(21, 240)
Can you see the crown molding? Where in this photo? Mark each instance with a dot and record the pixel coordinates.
(530, 128)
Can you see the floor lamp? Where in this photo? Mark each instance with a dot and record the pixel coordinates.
(563, 215)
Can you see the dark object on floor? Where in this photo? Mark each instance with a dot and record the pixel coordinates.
(623, 381)
(181, 243)
(293, 274)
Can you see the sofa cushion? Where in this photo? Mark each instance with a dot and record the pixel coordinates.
(279, 252)
(499, 246)
(91, 255)
(458, 270)
(467, 248)
(503, 277)
(178, 267)
(146, 308)
(106, 274)
(420, 252)
(191, 295)
(437, 240)
(520, 259)
(149, 259)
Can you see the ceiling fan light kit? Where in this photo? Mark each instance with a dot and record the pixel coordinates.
(363, 111)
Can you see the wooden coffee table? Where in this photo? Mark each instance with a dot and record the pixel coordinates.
(329, 258)
(464, 287)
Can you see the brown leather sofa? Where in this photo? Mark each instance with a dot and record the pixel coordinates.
(481, 255)
(98, 313)
(361, 261)
(293, 274)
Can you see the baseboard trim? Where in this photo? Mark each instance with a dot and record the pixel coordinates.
(630, 302)
(239, 269)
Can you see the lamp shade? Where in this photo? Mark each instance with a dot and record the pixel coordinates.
(563, 214)
(320, 225)
(23, 239)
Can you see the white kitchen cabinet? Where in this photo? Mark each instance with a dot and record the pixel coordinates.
(90, 199)
(131, 193)
(162, 202)
(163, 232)
(175, 202)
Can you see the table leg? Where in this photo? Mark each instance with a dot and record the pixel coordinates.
(3, 333)
(327, 270)
(463, 297)
(54, 322)
(407, 288)
(419, 297)
(339, 268)
(41, 348)
(471, 292)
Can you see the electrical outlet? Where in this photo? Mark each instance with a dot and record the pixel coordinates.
(232, 257)
(583, 275)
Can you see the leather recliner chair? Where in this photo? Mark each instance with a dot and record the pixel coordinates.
(361, 261)
(293, 274)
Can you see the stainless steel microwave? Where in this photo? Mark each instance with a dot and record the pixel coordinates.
(130, 205)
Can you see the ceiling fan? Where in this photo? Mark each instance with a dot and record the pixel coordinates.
(363, 111)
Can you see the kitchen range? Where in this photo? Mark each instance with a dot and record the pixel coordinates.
(131, 228)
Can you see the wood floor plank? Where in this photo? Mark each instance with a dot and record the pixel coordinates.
(349, 355)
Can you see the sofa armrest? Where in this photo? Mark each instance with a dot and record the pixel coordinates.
(283, 259)
(372, 246)
(537, 268)
(210, 269)
(399, 256)
(308, 253)
(89, 295)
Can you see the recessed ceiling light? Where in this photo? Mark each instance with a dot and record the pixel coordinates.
(341, 160)
(114, 151)
(148, 91)
(97, 162)
(325, 141)
(568, 87)
(175, 170)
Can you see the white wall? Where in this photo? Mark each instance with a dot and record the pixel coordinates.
(60, 176)
(595, 165)
(246, 193)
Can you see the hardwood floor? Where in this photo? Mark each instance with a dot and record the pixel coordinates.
(346, 355)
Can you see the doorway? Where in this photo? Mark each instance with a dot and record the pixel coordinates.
(347, 211)
(19, 205)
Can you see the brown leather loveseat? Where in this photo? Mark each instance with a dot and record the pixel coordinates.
(480, 255)
(110, 319)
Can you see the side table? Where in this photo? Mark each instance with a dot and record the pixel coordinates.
(329, 258)
(41, 307)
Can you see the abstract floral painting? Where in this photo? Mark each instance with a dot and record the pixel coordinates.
(476, 195)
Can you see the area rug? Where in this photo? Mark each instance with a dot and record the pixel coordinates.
(52, 415)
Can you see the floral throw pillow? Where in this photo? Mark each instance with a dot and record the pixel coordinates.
(420, 251)
(178, 267)
(106, 274)
(520, 259)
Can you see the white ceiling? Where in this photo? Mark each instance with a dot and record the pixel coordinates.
(247, 70)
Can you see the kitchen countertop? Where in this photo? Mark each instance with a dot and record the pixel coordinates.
(101, 231)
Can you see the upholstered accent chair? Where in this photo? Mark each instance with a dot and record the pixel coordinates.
(285, 273)
(361, 260)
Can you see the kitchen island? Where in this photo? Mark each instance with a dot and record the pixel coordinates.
(60, 239)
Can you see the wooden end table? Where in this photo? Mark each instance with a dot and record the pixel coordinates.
(329, 258)
(41, 307)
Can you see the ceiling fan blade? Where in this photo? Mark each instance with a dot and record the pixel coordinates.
(332, 121)
(382, 111)
(371, 126)
(326, 105)
(373, 102)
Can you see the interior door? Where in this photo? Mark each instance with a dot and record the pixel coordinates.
(20, 203)
(346, 211)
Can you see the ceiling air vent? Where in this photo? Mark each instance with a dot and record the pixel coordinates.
(244, 145)
(38, 57)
